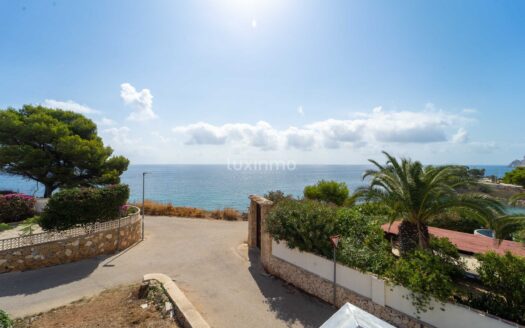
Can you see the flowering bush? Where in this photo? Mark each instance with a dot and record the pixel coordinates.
(83, 206)
(16, 207)
(126, 210)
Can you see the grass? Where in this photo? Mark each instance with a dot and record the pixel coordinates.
(5, 226)
(167, 209)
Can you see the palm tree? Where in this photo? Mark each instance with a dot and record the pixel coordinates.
(503, 225)
(416, 193)
(517, 198)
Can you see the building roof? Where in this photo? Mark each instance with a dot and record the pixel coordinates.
(466, 242)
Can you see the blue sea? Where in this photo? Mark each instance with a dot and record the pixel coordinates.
(219, 186)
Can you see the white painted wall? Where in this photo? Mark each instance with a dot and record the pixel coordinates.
(454, 316)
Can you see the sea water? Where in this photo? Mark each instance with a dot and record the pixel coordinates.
(219, 186)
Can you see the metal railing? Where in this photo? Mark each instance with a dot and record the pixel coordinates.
(46, 237)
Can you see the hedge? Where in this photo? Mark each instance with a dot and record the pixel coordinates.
(16, 207)
(69, 208)
(308, 225)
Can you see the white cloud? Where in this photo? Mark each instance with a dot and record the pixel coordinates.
(202, 134)
(377, 109)
(141, 101)
(132, 144)
(69, 105)
(461, 136)
(300, 110)
(409, 127)
(469, 111)
(300, 138)
(260, 135)
(377, 127)
(120, 136)
(160, 137)
(333, 132)
(106, 122)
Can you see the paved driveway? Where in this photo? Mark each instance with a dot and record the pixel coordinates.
(206, 258)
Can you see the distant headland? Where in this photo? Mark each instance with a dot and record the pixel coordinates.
(518, 162)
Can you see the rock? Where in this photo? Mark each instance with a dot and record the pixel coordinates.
(68, 252)
(144, 306)
(109, 236)
(75, 243)
(168, 309)
(89, 243)
(517, 163)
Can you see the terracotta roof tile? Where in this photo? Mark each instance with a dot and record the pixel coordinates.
(467, 242)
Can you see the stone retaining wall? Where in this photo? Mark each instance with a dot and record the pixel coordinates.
(322, 288)
(72, 249)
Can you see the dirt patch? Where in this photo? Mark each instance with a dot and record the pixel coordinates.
(119, 307)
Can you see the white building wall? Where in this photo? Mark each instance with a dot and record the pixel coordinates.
(454, 316)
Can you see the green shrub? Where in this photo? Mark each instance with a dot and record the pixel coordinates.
(376, 211)
(276, 196)
(306, 225)
(83, 206)
(328, 191)
(429, 273)
(504, 277)
(16, 207)
(5, 321)
(28, 226)
(516, 176)
(363, 245)
(5, 226)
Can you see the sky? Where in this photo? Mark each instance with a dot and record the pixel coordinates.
(309, 82)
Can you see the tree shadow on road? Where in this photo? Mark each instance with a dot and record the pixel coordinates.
(34, 281)
(289, 304)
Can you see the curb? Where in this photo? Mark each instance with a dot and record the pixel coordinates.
(185, 311)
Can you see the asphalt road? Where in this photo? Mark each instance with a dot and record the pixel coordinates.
(207, 259)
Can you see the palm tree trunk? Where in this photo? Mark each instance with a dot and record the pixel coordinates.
(423, 236)
(408, 237)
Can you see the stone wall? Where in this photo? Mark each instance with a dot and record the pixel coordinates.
(322, 288)
(72, 249)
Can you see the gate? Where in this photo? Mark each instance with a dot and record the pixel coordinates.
(258, 220)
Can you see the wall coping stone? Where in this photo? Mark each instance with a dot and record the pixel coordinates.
(261, 200)
(192, 318)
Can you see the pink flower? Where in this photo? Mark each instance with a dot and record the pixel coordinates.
(19, 196)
